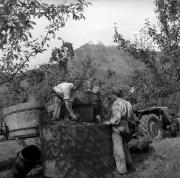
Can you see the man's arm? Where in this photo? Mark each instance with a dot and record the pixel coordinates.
(129, 110)
(69, 108)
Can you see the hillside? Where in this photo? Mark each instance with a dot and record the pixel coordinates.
(108, 57)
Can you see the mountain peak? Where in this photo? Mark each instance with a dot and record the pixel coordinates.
(108, 57)
(95, 42)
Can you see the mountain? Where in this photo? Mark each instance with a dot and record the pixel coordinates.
(109, 57)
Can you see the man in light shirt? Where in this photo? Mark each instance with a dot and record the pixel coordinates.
(121, 112)
(64, 92)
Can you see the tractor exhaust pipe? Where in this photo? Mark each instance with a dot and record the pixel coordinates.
(26, 160)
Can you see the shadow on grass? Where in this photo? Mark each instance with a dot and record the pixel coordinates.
(139, 157)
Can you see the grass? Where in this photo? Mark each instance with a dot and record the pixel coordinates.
(162, 161)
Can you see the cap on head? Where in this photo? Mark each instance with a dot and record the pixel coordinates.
(118, 92)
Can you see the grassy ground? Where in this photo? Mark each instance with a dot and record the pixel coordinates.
(162, 161)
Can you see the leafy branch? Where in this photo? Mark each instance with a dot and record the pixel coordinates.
(16, 23)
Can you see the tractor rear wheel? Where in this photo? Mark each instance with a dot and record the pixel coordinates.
(152, 126)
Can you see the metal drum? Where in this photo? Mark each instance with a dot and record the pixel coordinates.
(9, 151)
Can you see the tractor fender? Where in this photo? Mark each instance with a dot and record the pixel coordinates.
(158, 117)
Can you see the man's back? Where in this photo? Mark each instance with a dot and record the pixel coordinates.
(64, 89)
(122, 108)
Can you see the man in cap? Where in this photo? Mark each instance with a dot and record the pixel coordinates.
(93, 87)
(121, 112)
(64, 93)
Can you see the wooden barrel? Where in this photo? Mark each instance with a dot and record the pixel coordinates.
(23, 119)
(81, 150)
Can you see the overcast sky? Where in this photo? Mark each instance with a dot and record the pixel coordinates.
(100, 17)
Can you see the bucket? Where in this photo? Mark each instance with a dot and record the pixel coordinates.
(22, 120)
(9, 150)
(26, 160)
(77, 150)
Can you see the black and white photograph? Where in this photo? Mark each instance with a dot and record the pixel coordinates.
(89, 88)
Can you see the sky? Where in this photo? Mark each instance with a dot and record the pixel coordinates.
(129, 15)
(100, 17)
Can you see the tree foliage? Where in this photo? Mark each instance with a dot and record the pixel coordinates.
(159, 50)
(17, 20)
(40, 81)
(59, 54)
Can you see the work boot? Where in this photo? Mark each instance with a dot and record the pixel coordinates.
(120, 173)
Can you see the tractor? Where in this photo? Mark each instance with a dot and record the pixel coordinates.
(156, 122)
